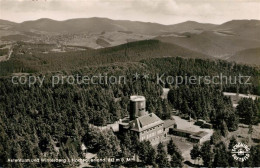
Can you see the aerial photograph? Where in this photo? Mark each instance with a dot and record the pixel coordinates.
(129, 83)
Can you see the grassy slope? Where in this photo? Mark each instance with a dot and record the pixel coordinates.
(213, 44)
(222, 41)
(248, 56)
(247, 29)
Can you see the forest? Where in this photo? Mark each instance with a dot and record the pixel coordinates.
(47, 122)
(28, 57)
(3, 51)
(219, 155)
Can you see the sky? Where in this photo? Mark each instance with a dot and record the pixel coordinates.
(159, 11)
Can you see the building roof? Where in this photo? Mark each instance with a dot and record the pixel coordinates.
(183, 131)
(199, 135)
(145, 122)
(168, 123)
(200, 120)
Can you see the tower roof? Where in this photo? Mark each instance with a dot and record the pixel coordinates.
(137, 98)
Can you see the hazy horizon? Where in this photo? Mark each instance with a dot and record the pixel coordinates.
(165, 12)
(127, 20)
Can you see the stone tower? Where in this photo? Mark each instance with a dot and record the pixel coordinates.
(137, 107)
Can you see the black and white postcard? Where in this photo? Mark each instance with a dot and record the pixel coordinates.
(129, 83)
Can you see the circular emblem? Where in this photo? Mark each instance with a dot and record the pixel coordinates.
(240, 152)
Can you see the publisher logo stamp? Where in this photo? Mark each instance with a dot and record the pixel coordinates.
(240, 152)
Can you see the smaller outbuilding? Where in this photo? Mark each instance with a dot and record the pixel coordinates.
(167, 125)
(199, 137)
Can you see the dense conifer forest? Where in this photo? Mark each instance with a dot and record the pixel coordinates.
(46, 121)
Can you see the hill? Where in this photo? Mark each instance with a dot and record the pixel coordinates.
(92, 32)
(40, 58)
(6, 22)
(211, 43)
(90, 25)
(191, 26)
(220, 41)
(248, 56)
(248, 29)
(94, 25)
(217, 41)
(5, 27)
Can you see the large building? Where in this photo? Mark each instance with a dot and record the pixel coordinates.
(147, 126)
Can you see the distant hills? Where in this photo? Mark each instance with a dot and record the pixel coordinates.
(95, 25)
(6, 22)
(191, 26)
(236, 38)
(248, 56)
(30, 57)
(248, 29)
(222, 41)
